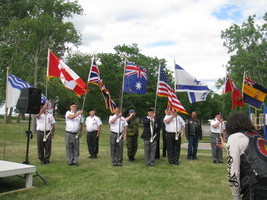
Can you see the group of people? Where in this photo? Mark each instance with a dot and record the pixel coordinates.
(247, 152)
(121, 129)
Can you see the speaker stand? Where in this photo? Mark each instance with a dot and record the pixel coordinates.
(27, 161)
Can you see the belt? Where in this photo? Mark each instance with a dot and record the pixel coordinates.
(43, 131)
(91, 131)
(170, 132)
(115, 133)
(71, 133)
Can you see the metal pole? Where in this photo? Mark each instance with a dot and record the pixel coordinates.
(156, 97)
(264, 121)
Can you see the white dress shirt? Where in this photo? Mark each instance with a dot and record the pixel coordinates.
(41, 121)
(114, 127)
(171, 126)
(92, 123)
(73, 125)
(219, 128)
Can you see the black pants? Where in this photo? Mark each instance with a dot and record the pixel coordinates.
(92, 143)
(157, 155)
(44, 148)
(258, 192)
(173, 147)
(164, 148)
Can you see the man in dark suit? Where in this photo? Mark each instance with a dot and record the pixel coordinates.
(152, 125)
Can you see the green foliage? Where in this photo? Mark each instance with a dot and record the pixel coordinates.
(98, 179)
(248, 48)
(28, 29)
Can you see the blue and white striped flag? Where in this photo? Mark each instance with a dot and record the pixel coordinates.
(185, 82)
(14, 87)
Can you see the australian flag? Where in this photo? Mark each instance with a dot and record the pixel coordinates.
(135, 79)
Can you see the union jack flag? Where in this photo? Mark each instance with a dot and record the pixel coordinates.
(95, 78)
(94, 74)
(135, 79)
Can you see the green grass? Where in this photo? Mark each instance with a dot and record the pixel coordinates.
(97, 179)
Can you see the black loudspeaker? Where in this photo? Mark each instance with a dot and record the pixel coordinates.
(29, 101)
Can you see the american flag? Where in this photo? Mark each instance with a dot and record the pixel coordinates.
(165, 90)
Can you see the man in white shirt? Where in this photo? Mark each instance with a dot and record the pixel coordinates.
(45, 126)
(117, 127)
(216, 127)
(174, 125)
(93, 128)
(74, 121)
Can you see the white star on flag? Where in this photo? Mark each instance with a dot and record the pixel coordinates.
(138, 85)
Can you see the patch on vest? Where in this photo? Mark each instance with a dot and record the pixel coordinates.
(262, 146)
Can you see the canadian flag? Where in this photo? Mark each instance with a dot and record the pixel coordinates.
(57, 68)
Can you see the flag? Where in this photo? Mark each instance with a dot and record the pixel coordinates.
(57, 68)
(236, 96)
(197, 96)
(185, 82)
(165, 90)
(253, 93)
(95, 78)
(94, 74)
(135, 79)
(14, 87)
(110, 104)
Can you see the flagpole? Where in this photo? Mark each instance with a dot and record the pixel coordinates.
(84, 97)
(156, 97)
(5, 118)
(47, 72)
(224, 89)
(122, 89)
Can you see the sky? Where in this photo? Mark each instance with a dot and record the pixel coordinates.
(185, 31)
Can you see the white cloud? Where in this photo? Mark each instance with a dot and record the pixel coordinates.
(185, 30)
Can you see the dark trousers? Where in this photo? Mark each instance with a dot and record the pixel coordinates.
(173, 147)
(44, 148)
(192, 147)
(257, 192)
(92, 143)
(132, 144)
(157, 154)
(164, 148)
(216, 151)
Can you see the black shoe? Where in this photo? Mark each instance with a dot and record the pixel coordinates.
(220, 162)
(43, 162)
(164, 155)
(70, 164)
(152, 165)
(91, 157)
(176, 163)
(115, 164)
(119, 164)
(76, 164)
(95, 156)
(215, 162)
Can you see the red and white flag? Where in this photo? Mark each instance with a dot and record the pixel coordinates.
(164, 90)
(236, 96)
(57, 68)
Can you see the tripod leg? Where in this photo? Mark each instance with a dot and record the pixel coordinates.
(41, 177)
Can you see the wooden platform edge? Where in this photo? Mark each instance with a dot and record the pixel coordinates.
(18, 190)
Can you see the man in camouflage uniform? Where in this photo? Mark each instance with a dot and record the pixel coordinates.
(132, 135)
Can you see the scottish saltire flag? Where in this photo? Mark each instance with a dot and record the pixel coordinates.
(14, 87)
(135, 79)
(197, 96)
(253, 93)
(185, 82)
(164, 89)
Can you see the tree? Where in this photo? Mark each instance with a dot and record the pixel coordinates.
(33, 27)
(248, 48)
